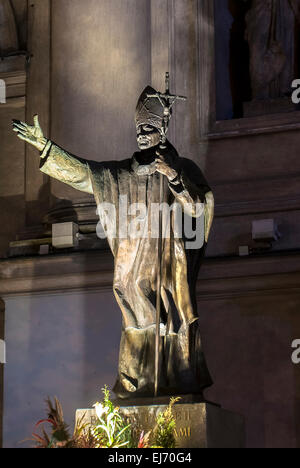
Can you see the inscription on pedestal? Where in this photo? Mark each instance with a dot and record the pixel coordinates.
(198, 425)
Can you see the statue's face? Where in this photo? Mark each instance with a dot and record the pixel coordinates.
(147, 137)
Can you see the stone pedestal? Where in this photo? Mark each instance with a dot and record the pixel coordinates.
(198, 425)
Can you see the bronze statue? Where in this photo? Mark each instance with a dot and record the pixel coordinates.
(182, 364)
(270, 32)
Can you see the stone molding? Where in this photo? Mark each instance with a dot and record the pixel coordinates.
(93, 271)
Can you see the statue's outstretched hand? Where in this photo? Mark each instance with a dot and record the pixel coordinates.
(31, 134)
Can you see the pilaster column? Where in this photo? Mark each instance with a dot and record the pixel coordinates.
(2, 315)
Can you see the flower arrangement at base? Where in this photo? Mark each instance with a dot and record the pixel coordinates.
(110, 430)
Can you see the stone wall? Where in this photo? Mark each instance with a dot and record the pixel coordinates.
(2, 324)
(70, 354)
(90, 62)
(12, 154)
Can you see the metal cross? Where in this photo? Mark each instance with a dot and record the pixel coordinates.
(167, 101)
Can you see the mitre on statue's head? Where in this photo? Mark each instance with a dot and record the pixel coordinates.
(149, 111)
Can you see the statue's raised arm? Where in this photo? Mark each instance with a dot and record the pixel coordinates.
(55, 161)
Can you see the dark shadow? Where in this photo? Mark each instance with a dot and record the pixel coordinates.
(12, 211)
(239, 57)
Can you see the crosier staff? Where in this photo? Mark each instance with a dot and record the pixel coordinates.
(167, 101)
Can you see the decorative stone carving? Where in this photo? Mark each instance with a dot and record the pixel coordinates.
(270, 32)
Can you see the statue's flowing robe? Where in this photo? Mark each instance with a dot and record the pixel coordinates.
(183, 368)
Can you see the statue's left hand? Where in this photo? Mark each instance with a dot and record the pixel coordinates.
(31, 134)
(164, 166)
